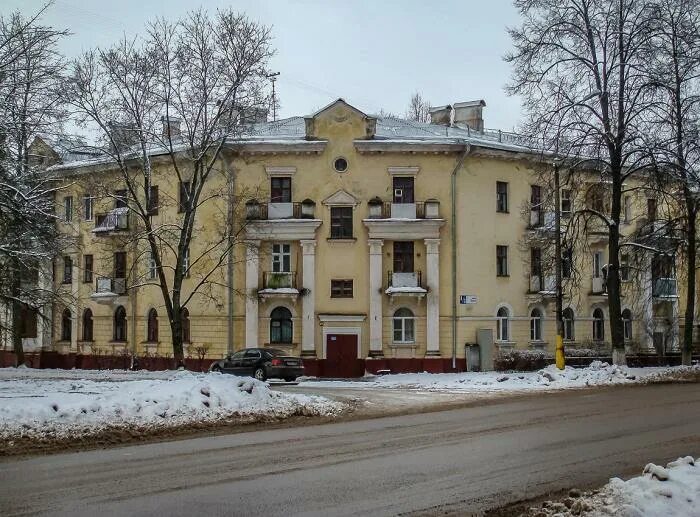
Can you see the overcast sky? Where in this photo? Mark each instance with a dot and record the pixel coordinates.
(372, 53)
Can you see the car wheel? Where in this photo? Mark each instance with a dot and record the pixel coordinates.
(260, 374)
(290, 379)
(216, 368)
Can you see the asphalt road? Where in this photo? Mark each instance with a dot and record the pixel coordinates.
(457, 461)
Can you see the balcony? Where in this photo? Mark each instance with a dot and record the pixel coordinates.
(599, 286)
(405, 284)
(256, 211)
(114, 220)
(542, 220)
(107, 289)
(543, 284)
(280, 284)
(664, 288)
(379, 209)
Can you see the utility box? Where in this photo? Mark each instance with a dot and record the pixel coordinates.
(473, 355)
(484, 338)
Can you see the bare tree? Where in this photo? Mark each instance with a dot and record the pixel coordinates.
(577, 66)
(182, 93)
(673, 66)
(418, 109)
(30, 75)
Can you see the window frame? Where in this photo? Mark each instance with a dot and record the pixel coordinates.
(503, 325)
(403, 321)
(565, 198)
(68, 209)
(403, 260)
(152, 326)
(281, 257)
(152, 267)
(281, 189)
(120, 325)
(281, 328)
(153, 200)
(66, 325)
(88, 212)
(568, 324)
(121, 197)
(598, 333)
(342, 222)
(502, 260)
(408, 189)
(120, 264)
(88, 265)
(88, 318)
(67, 269)
(502, 197)
(340, 289)
(186, 325)
(536, 334)
(627, 325)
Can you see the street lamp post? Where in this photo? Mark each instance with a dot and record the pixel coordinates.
(559, 345)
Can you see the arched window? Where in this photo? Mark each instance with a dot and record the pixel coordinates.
(567, 317)
(598, 325)
(119, 333)
(536, 325)
(66, 323)
(502, 324)
(281, 325)
(627, 324)
(152, 326)
(87, 325)
(186, 338)
(404, 326)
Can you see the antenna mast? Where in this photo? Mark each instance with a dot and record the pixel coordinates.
(273, 78)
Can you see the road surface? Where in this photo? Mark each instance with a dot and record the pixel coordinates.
(448, 462)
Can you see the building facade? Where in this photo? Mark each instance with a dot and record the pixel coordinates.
(362, 243)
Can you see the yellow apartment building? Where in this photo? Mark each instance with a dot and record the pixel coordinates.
(364, 243)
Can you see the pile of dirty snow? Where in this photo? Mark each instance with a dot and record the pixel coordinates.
(673, 491)
(549, 378)
(53, 404)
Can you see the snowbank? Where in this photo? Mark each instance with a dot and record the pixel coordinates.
(673, 491)
(53, 404)
(549, 378)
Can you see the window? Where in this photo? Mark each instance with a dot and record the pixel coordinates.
(152, 267)
(152, 326)
(404, 326)
(536, 262)
(153, 201)
(627, 324)
(624, 267)
(186, 263)
(87, 325)
(596, 199)
(403, 189)
(67, 270)
(185, 316)
(281, 325)
(341, 222)
(66, 324)
(567, 262)
(403, 256)
(341, 288)
(340, 164)
(120, 199)
(281, 190)
(281, 258)
(87, 269)
(120, 264)
(119, 330)
(183, 196)
(598, 264)
(68, 209)
(87, 207)
(627, 208)
(502, 324)
(536, 325)
(566, 204)
(598, 325)
(536, 212)
(567, 317)
(651, 209)
(28, 321)
(501, 196)
(501, 260)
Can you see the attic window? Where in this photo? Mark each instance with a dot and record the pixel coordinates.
(340, 164)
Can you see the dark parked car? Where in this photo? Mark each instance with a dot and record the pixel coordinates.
(261, 363)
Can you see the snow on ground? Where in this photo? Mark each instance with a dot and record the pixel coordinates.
(673, 491)
(59, 404)
(549, 378)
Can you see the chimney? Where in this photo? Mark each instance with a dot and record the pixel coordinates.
(470, 114)
(171, 127)
(441, 115)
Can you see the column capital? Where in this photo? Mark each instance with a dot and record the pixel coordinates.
(432, 245)
(375, 246)
(308, 246)
(252, 243)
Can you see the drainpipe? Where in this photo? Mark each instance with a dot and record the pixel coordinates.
(230, 258)
(453, 232)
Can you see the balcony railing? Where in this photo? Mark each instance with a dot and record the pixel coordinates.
(117, 219)
(598, 285)
(543, 284)
(542, 219)
(389, 210)
(107, 285)
(413, 279)
(280, 280)
(664, 287)
(263, 211)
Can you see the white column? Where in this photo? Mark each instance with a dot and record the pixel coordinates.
(75, 286)
(375, 297)
(675, 325)
(308, 319)
(252, 263)
(648, 312)
(432, 263)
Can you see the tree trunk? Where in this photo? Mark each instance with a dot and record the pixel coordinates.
(617, 336)
(687, 350)
(176, 329)
(17, 318)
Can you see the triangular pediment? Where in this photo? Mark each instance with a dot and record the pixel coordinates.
(339, 103)
(339, 114)
(341, 198)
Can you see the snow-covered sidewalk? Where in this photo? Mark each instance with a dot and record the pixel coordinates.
(673, 491)
(60, 405)
(547, 379)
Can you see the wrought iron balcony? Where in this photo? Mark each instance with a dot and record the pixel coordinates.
(543, 284)
(429, 209)
(107, 289)
(257, 211)
(114, 220)
(664, 287)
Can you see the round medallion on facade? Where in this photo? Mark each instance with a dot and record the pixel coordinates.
(340, 164)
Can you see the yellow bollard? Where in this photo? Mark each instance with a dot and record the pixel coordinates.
(559, 352)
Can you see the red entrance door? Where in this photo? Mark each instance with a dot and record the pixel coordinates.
(341, 356)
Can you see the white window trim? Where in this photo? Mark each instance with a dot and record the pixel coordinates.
(281, 254)
(573, 324)
(403, 320)
(403, 170)
(88, 198)
(68, 209)
(280, 172)
(541, 326)
(152, 269)
(499, 320)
